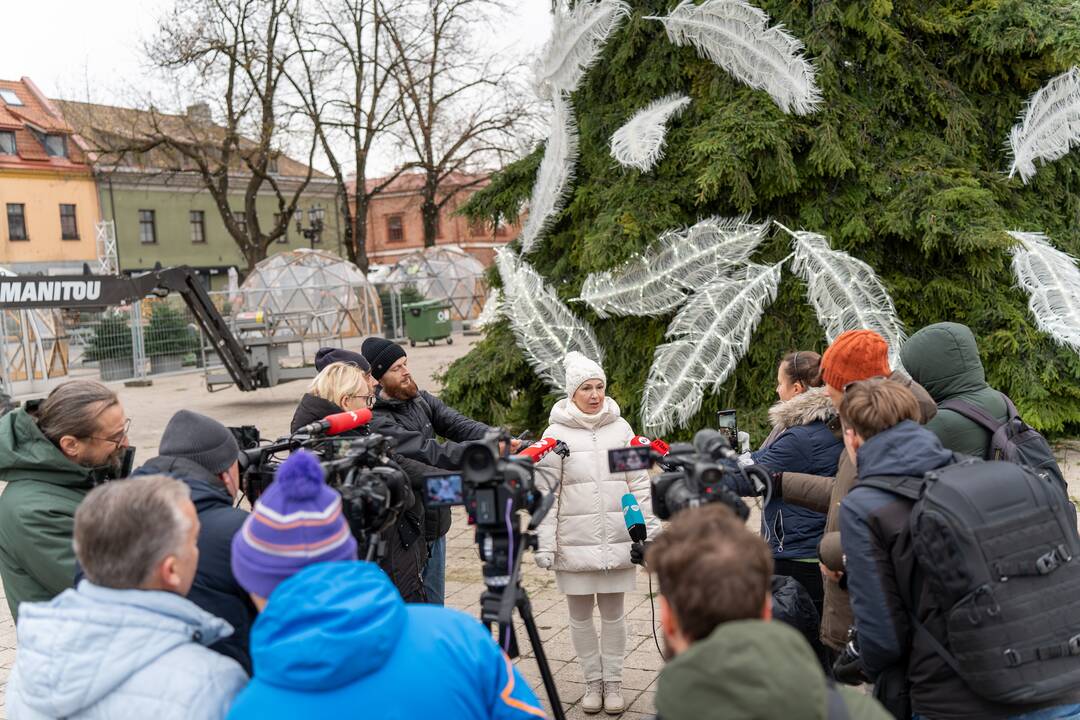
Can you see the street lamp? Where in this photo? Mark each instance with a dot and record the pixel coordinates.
(313, 232)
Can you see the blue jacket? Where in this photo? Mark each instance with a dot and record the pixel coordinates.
(336, 640)
(801, 442)
(95, 652)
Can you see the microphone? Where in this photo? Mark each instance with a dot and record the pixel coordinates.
(635, 521)
(540, 448)
(658, 446)
(337, 423)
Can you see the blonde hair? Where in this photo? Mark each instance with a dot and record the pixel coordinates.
(338, 380)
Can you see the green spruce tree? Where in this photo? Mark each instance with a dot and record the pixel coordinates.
(902, 166)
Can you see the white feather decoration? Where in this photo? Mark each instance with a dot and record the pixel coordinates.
(640, 142)
(1052, 280)
(577, 36)
(490, 312)
(657, 282)
(544, 327)
(556, 172)
(714, 332)
(845, 293)
(735, 35)
(1049, 126)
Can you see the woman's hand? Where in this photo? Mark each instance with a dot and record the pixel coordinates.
(544, 560)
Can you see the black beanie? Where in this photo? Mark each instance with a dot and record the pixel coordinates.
(381, 353)
(200, 439)
(329, 355)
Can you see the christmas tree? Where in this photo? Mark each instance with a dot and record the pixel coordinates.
(903, 164)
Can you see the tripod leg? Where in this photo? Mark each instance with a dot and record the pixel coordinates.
(524, 607)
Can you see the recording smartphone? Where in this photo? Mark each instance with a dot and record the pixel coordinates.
(727, 423)
(629, 459)
(443, 490)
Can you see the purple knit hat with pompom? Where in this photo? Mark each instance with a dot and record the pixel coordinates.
(296, 522)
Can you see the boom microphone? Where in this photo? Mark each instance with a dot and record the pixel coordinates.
(337, 423)
(540, 448)
(635, 521)
(656, 445)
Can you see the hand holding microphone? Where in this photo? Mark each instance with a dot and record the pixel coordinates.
(544, 560)
(635, 526)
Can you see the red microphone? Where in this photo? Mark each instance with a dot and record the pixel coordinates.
(337, 423)
(657, 445)
(540, 448)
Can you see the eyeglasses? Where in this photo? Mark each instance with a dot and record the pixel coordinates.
(116, 439)
(369, 400)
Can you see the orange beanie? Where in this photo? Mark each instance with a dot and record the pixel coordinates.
(855, 355)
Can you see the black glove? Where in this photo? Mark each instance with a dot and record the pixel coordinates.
(847, 668)
(637, 552)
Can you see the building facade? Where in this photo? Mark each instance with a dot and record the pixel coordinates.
(48, 195)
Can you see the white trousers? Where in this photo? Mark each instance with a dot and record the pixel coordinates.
(600, 658)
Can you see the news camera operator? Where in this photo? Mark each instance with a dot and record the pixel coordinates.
(343, 384)
(584, 537)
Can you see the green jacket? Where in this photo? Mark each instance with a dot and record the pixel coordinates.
(944, 359)
(753, 670)
(37, 512)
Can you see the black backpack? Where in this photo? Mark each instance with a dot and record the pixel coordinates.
(997, 547)
(1013, 440)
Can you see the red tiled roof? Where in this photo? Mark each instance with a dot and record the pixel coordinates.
(36, 113)
(411, 182)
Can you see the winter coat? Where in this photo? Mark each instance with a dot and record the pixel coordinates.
(414, 424)
(753, 670)
(37, 512)
(215, 589)
(585, 527)
(96, 652)
(882, 572)
(823, 493)
(944, 359)
(406, 549)
(803, 443)
(336, 641)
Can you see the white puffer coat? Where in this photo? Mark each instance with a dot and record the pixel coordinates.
(585, 528)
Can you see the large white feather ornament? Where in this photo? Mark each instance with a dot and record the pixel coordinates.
(845, 293)
(640, 142)
(556, 172)
(544, 327)
(1052, 280)
(577, 36)
(735, 35)
(657, 282)
(714, 331)
(1049, 126)
(491, 311)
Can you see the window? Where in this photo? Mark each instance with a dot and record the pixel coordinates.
(16, 221)
(478, 229)
(197, 220)
(147, 232)
(7, 143)
(395, 231)
(69, 229)
(56, 145)
(10, 97)
(240, 218)
(272, 165)
(501, 230)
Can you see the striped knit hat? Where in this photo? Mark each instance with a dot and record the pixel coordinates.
(296, 522)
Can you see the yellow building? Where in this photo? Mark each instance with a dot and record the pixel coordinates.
(48, 197)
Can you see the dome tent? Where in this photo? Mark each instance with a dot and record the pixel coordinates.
(444, 272)
(33, 346)
(313, 293)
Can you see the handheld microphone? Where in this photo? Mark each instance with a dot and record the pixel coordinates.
(635, 521)
(657, 445)
(541, 448)
(337, 423)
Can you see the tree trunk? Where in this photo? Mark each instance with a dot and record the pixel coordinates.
(360, 232)
(429, 210)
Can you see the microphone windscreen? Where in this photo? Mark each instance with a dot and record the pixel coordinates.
(632, 511)
(346, 421)
(538, 449)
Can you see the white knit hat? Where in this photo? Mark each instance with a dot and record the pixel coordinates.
(579, 369)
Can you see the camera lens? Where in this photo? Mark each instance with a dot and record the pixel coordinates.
(478, 464)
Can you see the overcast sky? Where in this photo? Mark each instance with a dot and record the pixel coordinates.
(92, 50)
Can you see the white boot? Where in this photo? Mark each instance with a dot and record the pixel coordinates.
(593, 701)
(613, 699)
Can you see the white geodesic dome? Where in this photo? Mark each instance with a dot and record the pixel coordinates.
(33, 345)
(444, 272)
(312, 293)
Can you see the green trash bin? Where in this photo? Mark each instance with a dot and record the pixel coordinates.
(427, 321)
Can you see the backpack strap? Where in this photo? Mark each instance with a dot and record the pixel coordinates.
(836, 706)
(935, 645)
(976, 414)
(906, 486)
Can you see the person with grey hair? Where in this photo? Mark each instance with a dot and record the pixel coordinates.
(126, 642)
(50, 460)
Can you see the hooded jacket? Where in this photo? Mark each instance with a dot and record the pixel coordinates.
(802, 442)
(944, 359)
(215, 590)
(414, 425)
(336, 640)
(585, 528)
(753, 670)
(96, 652)
(406, 550)
(37, 512)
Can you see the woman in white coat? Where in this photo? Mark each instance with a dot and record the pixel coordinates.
(584, 536)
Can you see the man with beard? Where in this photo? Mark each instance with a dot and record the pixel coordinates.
(50, 461)
(413, 418)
